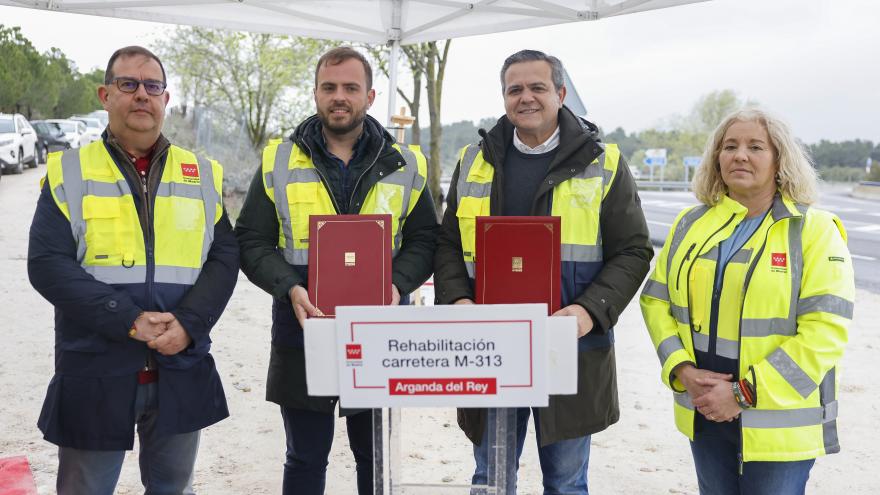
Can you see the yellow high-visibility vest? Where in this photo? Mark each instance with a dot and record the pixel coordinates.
(577, 200)
(785, 304)
(92, 193)
(293, 183)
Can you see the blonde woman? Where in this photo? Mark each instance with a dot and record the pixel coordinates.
(748, 308)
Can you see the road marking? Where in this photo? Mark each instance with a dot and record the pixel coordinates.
(866, 228)
(676, 205)
(659, 223)
(860, 257)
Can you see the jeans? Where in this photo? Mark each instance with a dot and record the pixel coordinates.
(563, 464)
(309, 437)
(716, 458)
(166, 462)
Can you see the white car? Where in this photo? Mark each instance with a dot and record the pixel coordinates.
(74, 131)
(635, 172)
(18, 143)
(93, 128)
(101, 115)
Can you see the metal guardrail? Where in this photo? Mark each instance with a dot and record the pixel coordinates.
(869, 183)
(667, 185)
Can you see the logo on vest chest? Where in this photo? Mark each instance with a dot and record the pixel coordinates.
(779, 262)
(190, 172)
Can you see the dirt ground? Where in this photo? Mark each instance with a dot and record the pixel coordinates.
(642, 454)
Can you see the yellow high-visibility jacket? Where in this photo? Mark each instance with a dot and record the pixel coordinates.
(92, 193)
(295, 186)
(785, 304)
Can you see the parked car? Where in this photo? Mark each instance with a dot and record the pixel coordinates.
(18, 143)
(74, 131)
(636, 173)
(50, 137)
(93, 128)
(101, 115)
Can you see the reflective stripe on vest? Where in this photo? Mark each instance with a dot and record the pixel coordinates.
(291, 179)
(783, 418)
(578, 200)
(91, 191)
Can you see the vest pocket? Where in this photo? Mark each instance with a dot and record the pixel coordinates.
(189, 214)
(302, 198)
(700, 285)
(468, 211)
(104, 231)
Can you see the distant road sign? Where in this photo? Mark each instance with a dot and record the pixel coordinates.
(692, 161)
(655, 157)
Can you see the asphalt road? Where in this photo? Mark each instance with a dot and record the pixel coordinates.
(860, 217)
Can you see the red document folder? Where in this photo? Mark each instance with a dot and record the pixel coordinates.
(518, 260)
(349, 261)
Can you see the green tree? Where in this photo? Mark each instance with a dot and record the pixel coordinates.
(79, 94)
(266, 78)
(711, 108)
(414, 55)
(842, 174)
(628, 144)
(854, 153)
(426, 61)
(19, 60)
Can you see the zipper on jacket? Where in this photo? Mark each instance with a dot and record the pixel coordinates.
(147, 230)
(716, 300)
(687, 256)
(742, 305)
(691, 266)
(358, 181)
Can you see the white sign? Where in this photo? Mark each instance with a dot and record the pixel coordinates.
(655, 157)
(465, 356)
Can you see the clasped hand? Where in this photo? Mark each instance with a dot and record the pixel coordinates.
(711, 393)
(162, 333)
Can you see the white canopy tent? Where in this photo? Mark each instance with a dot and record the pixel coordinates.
(392, 22)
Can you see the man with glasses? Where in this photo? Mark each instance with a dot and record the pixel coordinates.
(131, 244)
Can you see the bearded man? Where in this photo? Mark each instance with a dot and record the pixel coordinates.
(339, 161)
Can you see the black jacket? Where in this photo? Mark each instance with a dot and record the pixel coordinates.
(627, 253)
(93, 352)
(261, 260)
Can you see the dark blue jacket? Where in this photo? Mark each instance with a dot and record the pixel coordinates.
(90, 400)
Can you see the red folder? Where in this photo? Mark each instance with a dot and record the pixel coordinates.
(349, 261)
(518, 260)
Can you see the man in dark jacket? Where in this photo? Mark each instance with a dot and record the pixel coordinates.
(131, 244)
(340, 161)
(540, 159)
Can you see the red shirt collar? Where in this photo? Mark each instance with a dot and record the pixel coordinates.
(142, 164)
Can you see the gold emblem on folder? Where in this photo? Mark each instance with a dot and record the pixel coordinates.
(349, 259)
(517, 264)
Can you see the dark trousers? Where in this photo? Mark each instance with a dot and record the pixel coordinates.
(309, 437)
(715, 448)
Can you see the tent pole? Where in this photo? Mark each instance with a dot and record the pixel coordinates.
(392, 79)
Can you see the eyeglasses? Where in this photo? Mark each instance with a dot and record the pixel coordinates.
(130, 85)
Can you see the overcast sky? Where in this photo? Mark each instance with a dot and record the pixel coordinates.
(816, 63)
